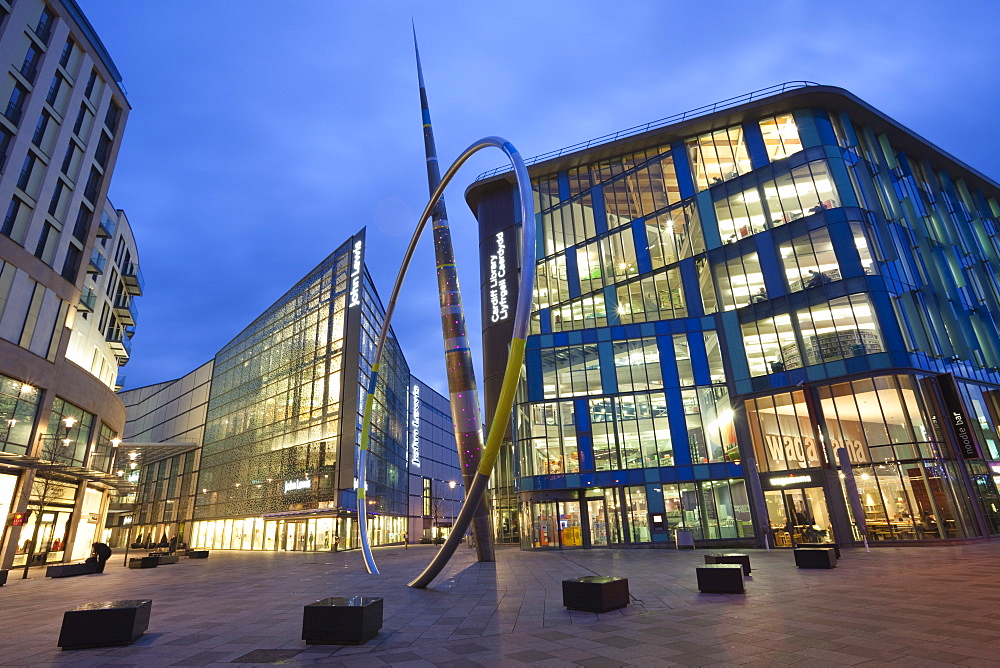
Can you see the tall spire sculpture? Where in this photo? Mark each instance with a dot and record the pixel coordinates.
(458, 356)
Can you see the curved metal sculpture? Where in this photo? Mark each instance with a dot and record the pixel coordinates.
(475, 493)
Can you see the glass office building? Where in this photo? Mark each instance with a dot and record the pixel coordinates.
(273, 426)
(776, 321)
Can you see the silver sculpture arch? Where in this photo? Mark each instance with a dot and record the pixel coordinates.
(501, 417)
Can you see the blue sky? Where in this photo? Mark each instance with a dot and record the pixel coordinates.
(262, 134)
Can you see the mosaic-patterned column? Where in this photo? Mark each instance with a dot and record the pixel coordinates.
(458, 356)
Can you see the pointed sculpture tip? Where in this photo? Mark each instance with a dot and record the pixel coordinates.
(416, 50)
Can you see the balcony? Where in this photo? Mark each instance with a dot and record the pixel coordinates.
(119, 382)
(119, 340)
(132, 278)
(106, 228)
(126, 310)
(88, 301)
(97, 263)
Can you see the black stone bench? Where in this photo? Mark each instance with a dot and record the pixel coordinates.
(730, 558)
(3, 577)
(164, 559)
(720, 579)
(815, 557)
(595, 593)
(197, 554)
(69, 570)
(833, 546)
(104, 623)
(144, 562)
(342, 620)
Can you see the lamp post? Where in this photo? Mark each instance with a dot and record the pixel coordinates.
(451, 486)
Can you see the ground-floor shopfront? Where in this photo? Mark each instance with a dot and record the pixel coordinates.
(322, 531)
(877, 458)
(61, 521)
(621, 516)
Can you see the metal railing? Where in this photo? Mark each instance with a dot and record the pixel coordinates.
(653, 125)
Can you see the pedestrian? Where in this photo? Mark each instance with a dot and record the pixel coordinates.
(406, 541)
(101, 555)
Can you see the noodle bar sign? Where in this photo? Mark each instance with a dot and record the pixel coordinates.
(957, 418)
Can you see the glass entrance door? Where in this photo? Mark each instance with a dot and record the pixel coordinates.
(799, 516)
(598, 522)
(570, 531)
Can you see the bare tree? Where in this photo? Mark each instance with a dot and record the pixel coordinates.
(45, 488)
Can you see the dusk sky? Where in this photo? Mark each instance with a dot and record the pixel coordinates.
(263, 134)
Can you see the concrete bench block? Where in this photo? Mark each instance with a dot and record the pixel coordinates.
(833, 546)
(69, 570)
(342, 620)
(721, 579)
(105, 623)
(595, 593)
(730, 558)
(815, 557)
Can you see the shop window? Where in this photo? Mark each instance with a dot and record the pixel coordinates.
(740, 282)
(781, 432)
(718, 156)
(808, 189)
(638, 514)
(781, 136)
(809, 261)
(878, 419)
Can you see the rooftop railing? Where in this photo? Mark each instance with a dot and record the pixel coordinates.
(663, 122)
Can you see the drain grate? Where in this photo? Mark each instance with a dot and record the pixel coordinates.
(271, 656)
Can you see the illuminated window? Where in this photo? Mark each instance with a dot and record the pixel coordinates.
(781, 136)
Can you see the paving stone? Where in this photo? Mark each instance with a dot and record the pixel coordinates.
(894, 606)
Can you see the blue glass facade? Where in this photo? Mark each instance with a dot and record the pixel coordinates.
(724, 305)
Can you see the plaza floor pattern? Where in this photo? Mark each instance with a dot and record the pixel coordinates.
(917, 606)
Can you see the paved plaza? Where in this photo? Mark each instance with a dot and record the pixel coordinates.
(916, 606)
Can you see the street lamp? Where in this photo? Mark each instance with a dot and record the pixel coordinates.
(451, 486)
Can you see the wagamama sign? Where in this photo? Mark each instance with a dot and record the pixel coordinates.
(498, 281)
